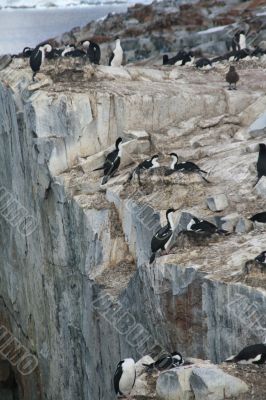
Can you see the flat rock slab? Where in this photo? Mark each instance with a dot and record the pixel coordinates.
(211, 383)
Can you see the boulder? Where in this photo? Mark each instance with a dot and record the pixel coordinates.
(174, 384)
(211, 383)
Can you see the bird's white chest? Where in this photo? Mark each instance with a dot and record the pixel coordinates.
(118, 57)
(242, 42)
(155, 164)
(127, 380)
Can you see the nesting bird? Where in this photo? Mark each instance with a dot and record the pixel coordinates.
(261, 163)
(254, 354)
(185, 167)
(203, 63)
(165, 362)
(203, 226)
(144, 166)
(93, 51)
(125, 376)
(260, 217)
(162, 237)
(116, 58)
(112, 162)
(261, 258)
(232, 77)
(37, 58)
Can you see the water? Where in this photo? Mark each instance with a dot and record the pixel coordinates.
(28, 27)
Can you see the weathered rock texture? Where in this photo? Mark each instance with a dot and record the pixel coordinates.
(77, 290)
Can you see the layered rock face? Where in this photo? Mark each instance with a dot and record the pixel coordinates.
(76, 287)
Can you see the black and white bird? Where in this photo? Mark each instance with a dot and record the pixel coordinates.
(165, 362)
(203, 226)
(260, 217)
(203, 63)
(239, 41)
(116, 58)
(112, 162)
(171, 61)
(27, 51)
(163, 236)
(144, 166)
(37, 58)
(67, 50)
(261, 258)
(93, 51)
(187, 59)
(185, 167)
(261, 163)
(254, 354)
(125, 376)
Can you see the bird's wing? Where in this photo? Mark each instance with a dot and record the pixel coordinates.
(111, 58)
(163, 232)
(35, 58)
(110, 162)
(117, 376)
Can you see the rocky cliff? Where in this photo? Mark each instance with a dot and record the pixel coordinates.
(76, 287)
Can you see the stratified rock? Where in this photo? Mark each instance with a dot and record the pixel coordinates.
(211, 383)
(217, 202)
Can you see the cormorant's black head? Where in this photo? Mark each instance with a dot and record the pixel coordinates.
(242, 32)
(173, 155)
(118, 142)
(165, 59)
(117, 38)
(154, 157)
(169, 211)
(262, 147)
(177, 358)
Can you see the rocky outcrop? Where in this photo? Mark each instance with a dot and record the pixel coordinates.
(207, 27)
(76, 287)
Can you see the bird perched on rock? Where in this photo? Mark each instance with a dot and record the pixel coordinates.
(165, 362)
(203, 63)
(37, 58)
(254, 354)
(116, 58)
(260, 217)
(93, 51)
(239, 41)
(171, 61)
(187, 59)
(125, 376)
(185, 167)
(27, 51)
(162, 237)
(72, 51)
(112, 162)
(232, 77)
(203, 226)
(261, 258)
(144, 166)
(261, 163)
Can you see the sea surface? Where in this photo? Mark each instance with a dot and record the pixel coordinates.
(28, 27)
